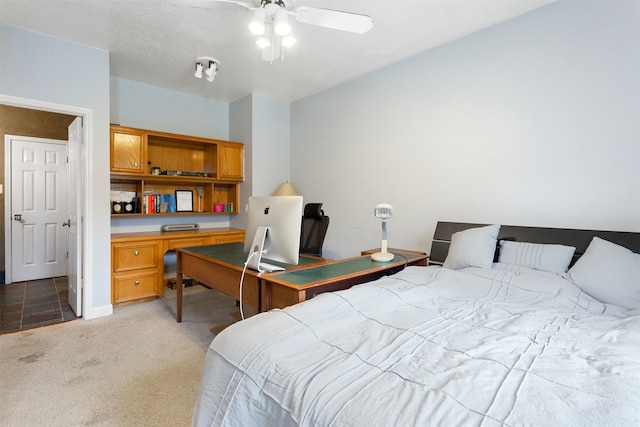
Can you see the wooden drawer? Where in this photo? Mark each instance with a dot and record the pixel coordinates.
(135, 256)
(229, 238)
(187, 242)
(135, 286)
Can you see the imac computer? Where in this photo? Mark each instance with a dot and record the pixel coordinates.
(273, 231)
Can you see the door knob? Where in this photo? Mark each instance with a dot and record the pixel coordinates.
(17, 217)
(67, 224)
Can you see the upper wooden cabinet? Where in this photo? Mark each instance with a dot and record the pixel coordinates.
(139, 150)
(145, 162)
(231, 165)
(127, 150)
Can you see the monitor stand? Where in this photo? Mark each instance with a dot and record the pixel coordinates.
(257, 248)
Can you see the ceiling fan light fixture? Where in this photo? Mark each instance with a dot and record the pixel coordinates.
(263, 42)
(271, 25)
(288, 41)
(198, 73)
(257, 24)
(281, 24)
(265, 39)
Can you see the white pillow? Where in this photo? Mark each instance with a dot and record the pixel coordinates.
(608, 272)
(543, 257)
(474, 247)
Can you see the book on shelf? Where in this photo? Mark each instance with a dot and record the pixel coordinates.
(158, 203)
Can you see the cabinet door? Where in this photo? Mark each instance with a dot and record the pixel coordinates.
(127, 152)
(231, 161)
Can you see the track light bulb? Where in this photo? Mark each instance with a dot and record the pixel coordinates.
(212, 69)
(281, 24)
(198, 73)
(256, 26)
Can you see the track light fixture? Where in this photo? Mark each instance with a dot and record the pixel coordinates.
(198, 73)
(211, 71)
(271, 24)
(209, 65)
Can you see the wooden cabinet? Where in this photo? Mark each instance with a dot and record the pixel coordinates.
(135, 270)
(231, 164)
(210, 169)
(137, 259)
(127, 151)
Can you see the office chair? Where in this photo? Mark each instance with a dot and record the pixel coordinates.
(314, 228)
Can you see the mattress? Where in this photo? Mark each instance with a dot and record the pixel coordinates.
(430, 346)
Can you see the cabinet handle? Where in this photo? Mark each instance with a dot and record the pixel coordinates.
(136, 253)
(135, 164)
(137, 282)
(226, 171)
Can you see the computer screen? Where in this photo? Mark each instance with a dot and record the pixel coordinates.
(273, 230)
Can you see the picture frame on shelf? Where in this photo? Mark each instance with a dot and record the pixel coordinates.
(184, 201)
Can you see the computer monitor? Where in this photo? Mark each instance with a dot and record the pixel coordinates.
(273, 231)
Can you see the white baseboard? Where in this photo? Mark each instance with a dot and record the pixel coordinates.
(95, 312)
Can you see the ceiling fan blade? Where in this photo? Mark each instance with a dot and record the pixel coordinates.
(338, 20)
(214, 4)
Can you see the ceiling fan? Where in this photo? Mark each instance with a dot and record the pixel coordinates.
(270, 20)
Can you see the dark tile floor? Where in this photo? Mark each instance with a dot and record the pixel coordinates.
(32, 304)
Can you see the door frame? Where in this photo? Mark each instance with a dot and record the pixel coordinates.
(87, 220)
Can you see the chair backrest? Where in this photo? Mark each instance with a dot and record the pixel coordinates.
(314, 229)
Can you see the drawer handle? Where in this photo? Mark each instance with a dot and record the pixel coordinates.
(136, 253)
(137, 282)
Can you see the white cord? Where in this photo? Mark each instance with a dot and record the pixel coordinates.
(242, 281)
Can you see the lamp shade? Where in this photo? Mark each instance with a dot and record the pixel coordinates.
(285, 189)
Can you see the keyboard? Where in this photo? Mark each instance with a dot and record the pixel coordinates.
(269, 267)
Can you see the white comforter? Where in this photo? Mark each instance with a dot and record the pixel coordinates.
(430, 346)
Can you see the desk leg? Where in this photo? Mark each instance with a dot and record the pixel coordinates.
(264, 295)
(178, 286)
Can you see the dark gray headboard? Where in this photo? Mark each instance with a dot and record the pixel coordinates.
(580, 239)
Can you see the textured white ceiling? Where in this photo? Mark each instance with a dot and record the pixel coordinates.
(157, 41)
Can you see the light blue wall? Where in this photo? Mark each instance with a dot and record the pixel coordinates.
(241, 129)
(271, 144)
(42, 68)
(530, 122)
(140, 105)
(263, 125)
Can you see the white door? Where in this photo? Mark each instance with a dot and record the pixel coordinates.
(38, 208)
(74, 192)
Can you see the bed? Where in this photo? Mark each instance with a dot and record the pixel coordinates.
(509, 326)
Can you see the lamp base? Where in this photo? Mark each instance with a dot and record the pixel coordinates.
(382, 256)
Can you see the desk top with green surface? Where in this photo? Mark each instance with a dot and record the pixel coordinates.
(308, 272)
(234, 254)
(330, 271)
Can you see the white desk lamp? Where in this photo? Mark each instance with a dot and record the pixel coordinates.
(383, 211)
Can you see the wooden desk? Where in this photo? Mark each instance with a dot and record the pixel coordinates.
(137, 259)
(220, 267)
(291, 287)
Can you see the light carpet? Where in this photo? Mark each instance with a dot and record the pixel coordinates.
(138, 367)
